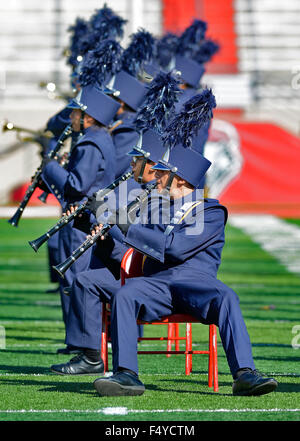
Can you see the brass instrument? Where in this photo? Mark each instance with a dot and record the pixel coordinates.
(8, 126)
(54, 93)
(34, 184)
(66, 219)
(131, 207)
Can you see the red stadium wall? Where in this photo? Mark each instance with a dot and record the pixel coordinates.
(269, 180)
(18, 193)
(219, 14)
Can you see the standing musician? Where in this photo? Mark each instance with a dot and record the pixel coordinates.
(180, 269)
(103, 23)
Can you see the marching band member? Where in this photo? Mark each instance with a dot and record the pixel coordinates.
(84, 35)
(180, 269)
(92, 161)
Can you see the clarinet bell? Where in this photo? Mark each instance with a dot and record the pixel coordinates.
(62, 267)
(43, 197)
(14, 221)
(37, 243)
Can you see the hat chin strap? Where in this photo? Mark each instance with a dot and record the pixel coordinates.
(140, 177)
(170, 180)
(82, 122)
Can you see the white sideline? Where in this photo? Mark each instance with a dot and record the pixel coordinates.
(274, 235)
(125, 411)
(31, 212)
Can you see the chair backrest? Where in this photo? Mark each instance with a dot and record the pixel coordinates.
(131, 264)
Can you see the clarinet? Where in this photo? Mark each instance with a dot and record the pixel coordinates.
(30, 190)
(66, 219)
(62, 267)
(43, 196)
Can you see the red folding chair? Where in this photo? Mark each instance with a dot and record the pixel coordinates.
(131, 266)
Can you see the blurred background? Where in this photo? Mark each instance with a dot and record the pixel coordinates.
(255, 77)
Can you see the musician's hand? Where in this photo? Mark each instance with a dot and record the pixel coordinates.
(70, 209)
(63, 159)
(92, 204)
(95, 229)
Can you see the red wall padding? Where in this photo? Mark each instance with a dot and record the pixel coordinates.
(219, 15)
(178, 14)
(269, 181)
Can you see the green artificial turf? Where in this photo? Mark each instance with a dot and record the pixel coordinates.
(31, 323)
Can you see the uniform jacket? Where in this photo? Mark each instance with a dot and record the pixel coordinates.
(184, 247)
(91, 167)
(58, 122)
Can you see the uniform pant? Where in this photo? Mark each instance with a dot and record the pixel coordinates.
(69, 240)
(53, 257)
(150, 298)
(89, 290)
(84, 323)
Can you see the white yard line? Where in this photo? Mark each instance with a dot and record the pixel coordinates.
(125, 411)
(274, 235)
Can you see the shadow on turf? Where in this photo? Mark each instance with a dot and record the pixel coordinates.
(84, 385)
(30, 319)
(32, 352)
(6, 369)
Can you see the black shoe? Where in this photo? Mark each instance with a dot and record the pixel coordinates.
(119, 384)
(79, 365)
(69, 350)
(253, 383)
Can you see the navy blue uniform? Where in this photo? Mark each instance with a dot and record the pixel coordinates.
(125, 137)
(91, 167)
(56, 124)
(180, 275)
(90, 288)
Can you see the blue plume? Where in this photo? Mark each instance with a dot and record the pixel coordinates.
(159, 102)
(206, 51)
(104, 24)
(165, 49)
(101, 63)
(100, 15)
(195, 114)
(78, 31)
(191, 37)
(139, 50)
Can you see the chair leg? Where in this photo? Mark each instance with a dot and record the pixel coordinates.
(188, 357)
(171, 333)
(104, 343)
(210, 357)
(176, 329)
(215, 358)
